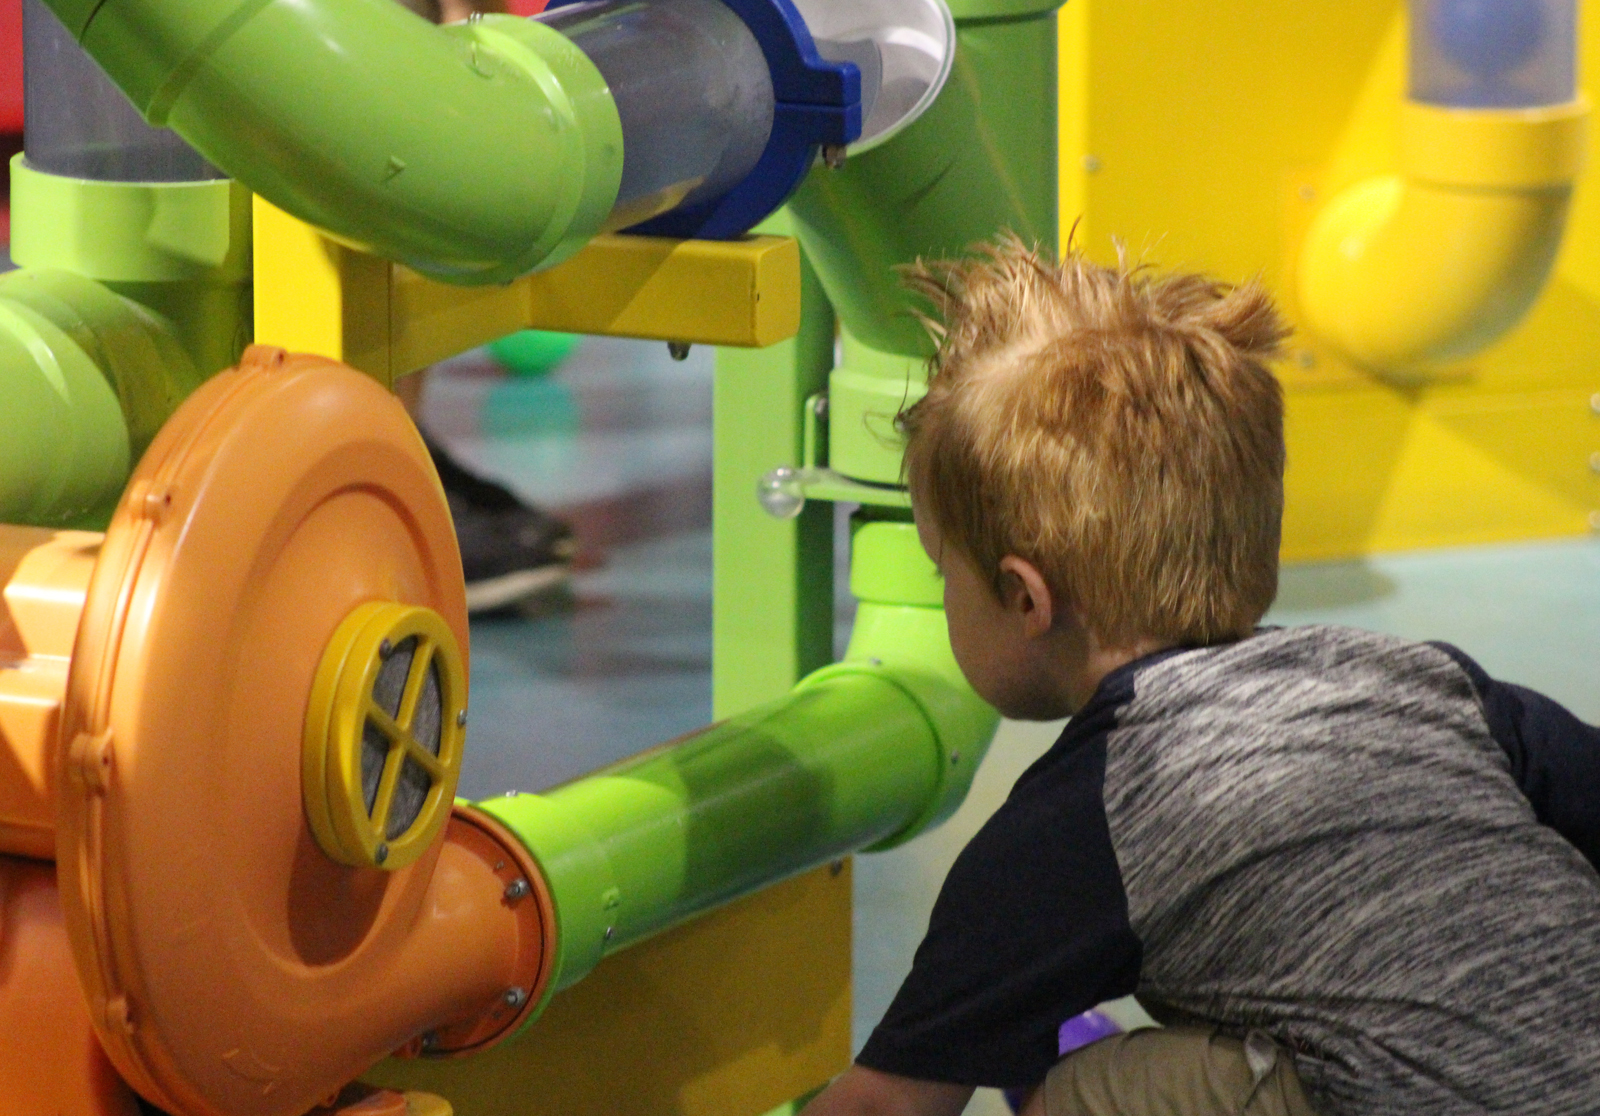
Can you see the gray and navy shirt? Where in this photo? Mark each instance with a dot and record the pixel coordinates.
(1362, 846)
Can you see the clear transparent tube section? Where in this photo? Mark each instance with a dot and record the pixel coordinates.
(80, 125)
(692, 88)
(1493, 53)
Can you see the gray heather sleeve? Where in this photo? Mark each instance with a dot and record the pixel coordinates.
(1555, 758)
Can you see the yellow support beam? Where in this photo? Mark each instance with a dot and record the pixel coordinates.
(315, 295)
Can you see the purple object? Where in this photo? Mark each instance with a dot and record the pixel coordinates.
(1081, 1030)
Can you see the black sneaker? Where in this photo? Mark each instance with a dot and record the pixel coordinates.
(509, 551)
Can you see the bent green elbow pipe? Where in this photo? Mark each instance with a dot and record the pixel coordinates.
(473, 153)
(88, 378)
(861, 754)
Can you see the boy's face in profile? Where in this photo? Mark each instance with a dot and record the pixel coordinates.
(1011, 647)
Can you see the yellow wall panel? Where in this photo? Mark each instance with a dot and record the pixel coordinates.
(1206, 134)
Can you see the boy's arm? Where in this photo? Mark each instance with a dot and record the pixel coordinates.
(1555, 758)
(860, 1091)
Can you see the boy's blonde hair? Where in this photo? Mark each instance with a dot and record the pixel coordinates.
(1116, 427)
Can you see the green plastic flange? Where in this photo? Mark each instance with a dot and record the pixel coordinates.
(577, 872)
(889, 566)
(866, 392)
(130, 232)
(180, 250)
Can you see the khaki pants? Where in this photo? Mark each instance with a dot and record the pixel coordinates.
(1176, 1071)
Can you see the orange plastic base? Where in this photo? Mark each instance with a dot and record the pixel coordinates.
(51, 1063)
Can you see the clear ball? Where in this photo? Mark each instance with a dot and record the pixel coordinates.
(781, 493)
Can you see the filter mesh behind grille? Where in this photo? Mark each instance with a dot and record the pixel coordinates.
(388, 691)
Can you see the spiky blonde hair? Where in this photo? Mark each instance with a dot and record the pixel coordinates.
(1115, 426)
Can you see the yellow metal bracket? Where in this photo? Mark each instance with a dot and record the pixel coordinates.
(314, 295)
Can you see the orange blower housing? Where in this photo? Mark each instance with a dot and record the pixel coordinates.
(230, 965)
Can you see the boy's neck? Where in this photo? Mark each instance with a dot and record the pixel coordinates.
(1085, 668)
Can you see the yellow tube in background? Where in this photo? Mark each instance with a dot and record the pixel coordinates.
(1400, 271)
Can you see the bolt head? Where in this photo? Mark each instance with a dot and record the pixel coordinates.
(461, 719)
(385, 649)
(382, 854)
(610, 930)
(516, 889)
(514, 997)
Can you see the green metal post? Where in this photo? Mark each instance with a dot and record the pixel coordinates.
(772, 579)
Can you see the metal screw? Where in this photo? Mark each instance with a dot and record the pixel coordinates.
(836, 867)
(678, 350)
(955, 758)
(819, 406)
(610, 930)
(833, 155)
(515, 997)
(512, 793)
(1092, 164)
(382, 854)
(430, 1041)
(385, 649)
(516, 889)
(461, 719)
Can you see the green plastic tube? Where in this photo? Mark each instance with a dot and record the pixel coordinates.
(89, 376)
(473, 153)
(64, 450)
(980, 161)
(862, 754)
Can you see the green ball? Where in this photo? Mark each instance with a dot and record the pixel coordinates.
(532, 352)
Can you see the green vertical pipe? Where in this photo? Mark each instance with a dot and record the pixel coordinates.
(980, 161)
(474, 152)
(864, 753)
(772, 579)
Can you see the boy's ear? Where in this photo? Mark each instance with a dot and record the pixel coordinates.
(1025, 593)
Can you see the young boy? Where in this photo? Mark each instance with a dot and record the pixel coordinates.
(1355, 872)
